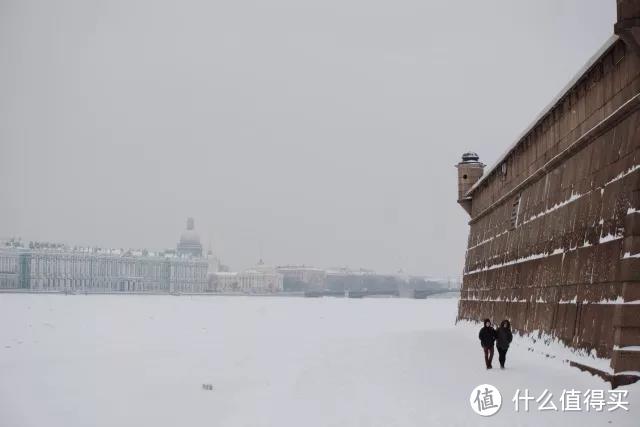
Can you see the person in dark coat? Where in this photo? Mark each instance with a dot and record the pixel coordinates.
(503, 339)
(487, 337)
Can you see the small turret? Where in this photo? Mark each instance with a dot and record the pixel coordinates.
(470, 169)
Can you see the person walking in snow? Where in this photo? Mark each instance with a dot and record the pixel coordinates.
(487, 337)
(503, 339)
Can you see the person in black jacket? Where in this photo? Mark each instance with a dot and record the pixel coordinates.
(487, 337)
(503, 339)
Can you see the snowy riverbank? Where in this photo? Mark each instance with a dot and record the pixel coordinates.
(101, 360)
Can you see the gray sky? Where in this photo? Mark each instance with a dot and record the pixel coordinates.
(318, 132)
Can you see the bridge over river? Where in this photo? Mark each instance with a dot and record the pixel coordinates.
(417, 294)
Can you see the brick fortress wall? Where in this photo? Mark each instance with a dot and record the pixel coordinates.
(554, 241)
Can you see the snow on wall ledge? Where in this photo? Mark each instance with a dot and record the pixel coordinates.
(561, 254)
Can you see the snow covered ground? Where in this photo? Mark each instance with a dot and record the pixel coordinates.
(116, 360)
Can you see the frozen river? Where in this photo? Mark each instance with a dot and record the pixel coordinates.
(116, 360)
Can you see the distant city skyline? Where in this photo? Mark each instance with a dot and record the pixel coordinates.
(122, 250)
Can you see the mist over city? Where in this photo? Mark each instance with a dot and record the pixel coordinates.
(321, 135)
(324, 213)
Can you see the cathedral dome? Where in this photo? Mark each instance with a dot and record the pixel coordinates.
(189, 237)
(190, 241)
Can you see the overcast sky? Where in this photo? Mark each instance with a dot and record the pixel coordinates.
(319, 132)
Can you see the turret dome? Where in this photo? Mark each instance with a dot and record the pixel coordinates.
(470, 156)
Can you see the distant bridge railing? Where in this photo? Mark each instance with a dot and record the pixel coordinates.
(422, 294)
(417, 294)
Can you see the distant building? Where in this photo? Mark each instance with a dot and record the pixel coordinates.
(9, 274)
(189, 244)
(302, 278)
(223, 281)
(213, 262)
(344, 279)
(260, 279)
(99, 270)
